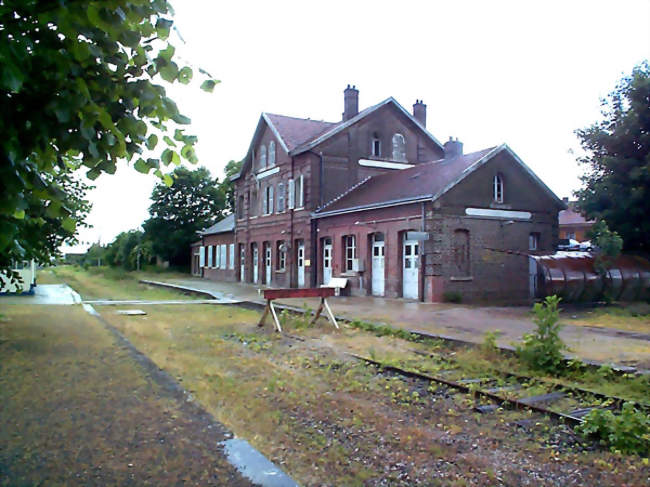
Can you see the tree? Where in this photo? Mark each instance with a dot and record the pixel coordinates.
(123, 250)
(179, 212)
(227, 186)
(78, 90)
(617, 182)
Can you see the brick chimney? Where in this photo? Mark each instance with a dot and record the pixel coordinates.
(350, 102)
(420, 112)
(453, 148)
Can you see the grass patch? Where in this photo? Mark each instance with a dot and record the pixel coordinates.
(111, 283)
(76, 409)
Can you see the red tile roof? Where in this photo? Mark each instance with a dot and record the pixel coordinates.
(422, 181)
(297, 131)
(572, 216)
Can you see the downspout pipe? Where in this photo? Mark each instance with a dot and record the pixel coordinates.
(313, 253)
(422, 255)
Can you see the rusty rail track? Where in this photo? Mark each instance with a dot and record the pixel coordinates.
(509, 402)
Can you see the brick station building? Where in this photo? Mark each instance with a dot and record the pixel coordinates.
(377, 199)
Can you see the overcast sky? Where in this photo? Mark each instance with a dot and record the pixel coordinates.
(521, 72)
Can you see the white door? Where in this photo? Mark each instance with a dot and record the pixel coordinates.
(301, 264)
(410, 270)
(242, 263)
(377, 267)
(327, 261)
(267, 264)
(256, 263)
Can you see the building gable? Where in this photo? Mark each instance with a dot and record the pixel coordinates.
(517, 187)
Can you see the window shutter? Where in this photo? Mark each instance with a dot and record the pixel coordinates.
(231, 256)
(271, 207)
(301, 191)
(202, 257)
(209, 255)
(292, 201)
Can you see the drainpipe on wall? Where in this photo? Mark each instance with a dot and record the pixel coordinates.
(313, 253)
(422, 255)
(292, 250)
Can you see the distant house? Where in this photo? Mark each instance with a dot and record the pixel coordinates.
(213, 256)
(377, 199)
(27, 272)
(572, 224)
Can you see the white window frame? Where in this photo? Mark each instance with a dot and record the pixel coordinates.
(300, 192)
(292, 195)
(231, 256)
(399, 155)
(281, 197)
(222, 255)
(271, 156)
(217, 258)
(533, 241)
(350, 244)
(262, 162)
(209, 256)
(268, 200)
(202, 256)
(497, 188)
(373, 152)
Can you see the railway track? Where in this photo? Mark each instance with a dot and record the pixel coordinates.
(565, 403)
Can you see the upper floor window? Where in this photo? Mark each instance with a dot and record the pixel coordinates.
(267, 203)
(281, 197)
(262, 157)
(533, 241)
(297, 192)
(498, 188)
(399, 147)
(375, 145)
(272, 153)
(240, 207)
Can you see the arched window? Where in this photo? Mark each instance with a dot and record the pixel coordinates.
(263, 157)
(271, 153)
(461, 253)
(498, 188)
(399, 147)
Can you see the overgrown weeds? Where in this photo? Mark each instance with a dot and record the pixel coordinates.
(626, 432)
(542, 349)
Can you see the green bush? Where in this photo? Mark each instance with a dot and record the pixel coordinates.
(489, 346)
(627, 432)
(542, 349)
(452, 297)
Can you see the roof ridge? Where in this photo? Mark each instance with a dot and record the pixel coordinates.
(299, 118)
(344, 193)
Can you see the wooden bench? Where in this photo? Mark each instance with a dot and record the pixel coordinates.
(320, 292)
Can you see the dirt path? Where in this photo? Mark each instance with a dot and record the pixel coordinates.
(77, 409)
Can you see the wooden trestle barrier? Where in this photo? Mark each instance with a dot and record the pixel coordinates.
(319, 292)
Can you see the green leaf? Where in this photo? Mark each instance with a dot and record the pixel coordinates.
(163, 27)
(167, 53)
(168, 180)
(69, 224)
(152, 141)
(141, 166)
(167, 156)
(19, 214)
(208, 85)
(169, 72)
(185, 75)
(169, 141)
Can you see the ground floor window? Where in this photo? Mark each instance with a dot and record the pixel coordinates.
(533, 241)
(350, 246)
(231, 256)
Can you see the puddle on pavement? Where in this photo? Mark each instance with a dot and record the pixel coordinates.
(255, 466)
(46, 294)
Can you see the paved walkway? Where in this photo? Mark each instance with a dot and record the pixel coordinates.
(461, 322)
